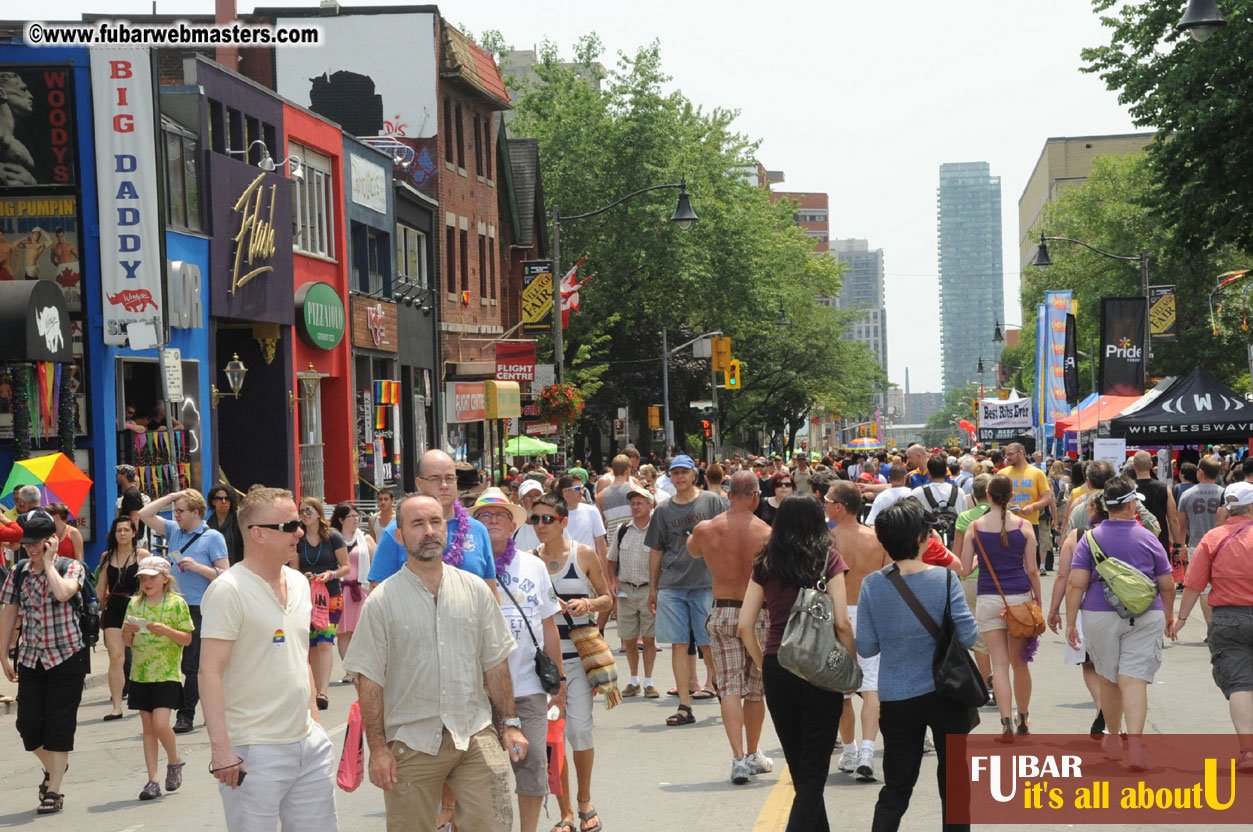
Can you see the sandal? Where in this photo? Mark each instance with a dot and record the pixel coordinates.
(324, 701)
(1007, 730)
(1024, 723)
(43, 786)
(50, 804)
(703, 693)
(565, 824)
(584, 817)
(681, 717)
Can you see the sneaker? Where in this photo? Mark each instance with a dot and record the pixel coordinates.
(759, 763)
(651, 692)
(740, 771)
(151, 791)
(1097, 731)
(848, 760)
(865, 765)
(927, 745)
(182, 725)
(630, 690)
(173, 776)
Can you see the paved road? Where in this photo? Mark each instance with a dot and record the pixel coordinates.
(648, 776)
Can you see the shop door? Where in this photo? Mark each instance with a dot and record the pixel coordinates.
(312, 468)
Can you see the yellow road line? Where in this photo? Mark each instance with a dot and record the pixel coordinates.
(773, 815)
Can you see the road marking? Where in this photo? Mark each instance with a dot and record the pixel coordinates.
(773, 815)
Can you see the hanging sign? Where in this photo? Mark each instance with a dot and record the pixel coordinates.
(319, 315)
(1122, 346)
(515, 361)
(537, 295)
(1162, 313)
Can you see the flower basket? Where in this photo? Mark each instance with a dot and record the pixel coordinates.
(560, 403)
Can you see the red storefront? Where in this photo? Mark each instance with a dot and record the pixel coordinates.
(321, 401)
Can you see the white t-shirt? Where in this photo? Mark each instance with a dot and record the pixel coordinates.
(527, 580)
(267, 676)
(884, 499)
(942, 492)
(586, 525)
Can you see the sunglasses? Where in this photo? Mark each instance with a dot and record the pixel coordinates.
(290, 527)
(577, 488)
(546, 519)
(220, 498)
(305, 511)
(786, 485)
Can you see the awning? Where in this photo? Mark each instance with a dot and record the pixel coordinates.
(1102, 410)
(1193, 409)
(34, 322)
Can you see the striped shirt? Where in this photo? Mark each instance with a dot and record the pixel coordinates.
(572, 584)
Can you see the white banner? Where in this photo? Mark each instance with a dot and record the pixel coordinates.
(995, 413)
(1113, 451)
(127, 162)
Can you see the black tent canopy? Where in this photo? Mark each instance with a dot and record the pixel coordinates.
(1197, 408)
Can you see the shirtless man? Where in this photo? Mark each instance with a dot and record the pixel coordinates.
(728, 543)
(10, 259)
(33, 245)
(859, 546)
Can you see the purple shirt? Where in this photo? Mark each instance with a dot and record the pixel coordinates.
(1007, 562)
(1128, 541)
(780, 597)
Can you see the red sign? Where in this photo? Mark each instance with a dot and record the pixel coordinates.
(540, 428)
(515, 361)
(465, 401)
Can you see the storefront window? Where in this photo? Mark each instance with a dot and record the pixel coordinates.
(165, 461)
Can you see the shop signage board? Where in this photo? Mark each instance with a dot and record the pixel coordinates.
(319, 315)
(131, 227)
(40, 150)
(515, 361)
(465, 401)
(1001, 421)
(504, 400)
(369, 184)
(374, 324)
(1113, 451)
(540, 428)
(254, 277)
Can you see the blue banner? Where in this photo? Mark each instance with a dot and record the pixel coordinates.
(1038, 409)
(1055, 406)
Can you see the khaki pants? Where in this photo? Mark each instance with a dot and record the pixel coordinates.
(478, 776)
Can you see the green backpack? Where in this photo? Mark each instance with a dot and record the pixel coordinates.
(1128, 590)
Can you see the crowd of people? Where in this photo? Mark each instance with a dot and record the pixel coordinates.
(471, 614)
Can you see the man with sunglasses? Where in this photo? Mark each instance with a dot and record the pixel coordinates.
(201, 555)
(258, 688)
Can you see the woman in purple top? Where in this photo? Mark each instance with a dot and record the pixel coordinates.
(1007, 544)
(805, 717)
(1126, 652)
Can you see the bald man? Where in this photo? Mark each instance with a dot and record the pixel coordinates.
(437, 478)
(728, 543)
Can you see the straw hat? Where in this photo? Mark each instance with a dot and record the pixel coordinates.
(495, 498)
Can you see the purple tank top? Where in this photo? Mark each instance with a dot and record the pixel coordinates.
(1006, 560)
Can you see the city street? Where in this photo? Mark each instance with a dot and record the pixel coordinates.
(647, 776)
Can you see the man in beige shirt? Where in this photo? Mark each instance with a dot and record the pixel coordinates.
(430, 653)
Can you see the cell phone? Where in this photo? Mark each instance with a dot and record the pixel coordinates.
(240, 781)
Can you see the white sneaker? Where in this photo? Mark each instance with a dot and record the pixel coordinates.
(865, 765)
(740, 770)
(759, 763)
(848, 760)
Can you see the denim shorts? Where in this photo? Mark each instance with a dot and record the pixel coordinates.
(682, 613)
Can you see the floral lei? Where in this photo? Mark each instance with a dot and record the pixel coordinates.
(505, 558)
(454, 554)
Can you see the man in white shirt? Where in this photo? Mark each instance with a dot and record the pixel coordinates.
(896, 490)
(940, 497)
(524, 538)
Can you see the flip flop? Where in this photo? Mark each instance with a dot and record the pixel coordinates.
(588, 815)
(565, 824)
(703, 694)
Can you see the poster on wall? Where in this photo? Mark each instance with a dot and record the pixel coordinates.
(78, 386)
(37, 139)
(127, 180)
(39, 241)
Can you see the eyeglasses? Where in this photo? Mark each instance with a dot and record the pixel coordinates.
(546, 519)
(450, 479)
(290, 527)
(494, 516)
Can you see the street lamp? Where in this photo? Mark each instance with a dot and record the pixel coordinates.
(783, 318)
(1042, 259)
(997, 337)
(683, 217)
(1201, 19)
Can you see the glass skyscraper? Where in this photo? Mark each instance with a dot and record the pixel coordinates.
(972, 294)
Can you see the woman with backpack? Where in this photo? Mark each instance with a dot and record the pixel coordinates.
(1125, 647)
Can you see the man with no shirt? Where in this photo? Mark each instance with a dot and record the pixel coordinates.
(860, 549)
(729, 543)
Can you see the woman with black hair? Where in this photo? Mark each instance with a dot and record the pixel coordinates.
(888, 627)
(806, 718)
(224, 503)
(117, 579)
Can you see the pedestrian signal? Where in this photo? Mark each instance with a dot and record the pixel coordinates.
(733, 374)
(706, 431)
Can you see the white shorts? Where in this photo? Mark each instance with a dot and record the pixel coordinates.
(869, 666)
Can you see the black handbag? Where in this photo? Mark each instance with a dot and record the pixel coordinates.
(546, 669)
(956, 675)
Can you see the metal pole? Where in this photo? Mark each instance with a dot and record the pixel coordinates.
(1148, 328)
(558, 347)
(1092, 364)
(713, 423)
(665, 391)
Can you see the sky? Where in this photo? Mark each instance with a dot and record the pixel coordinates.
(861, 100)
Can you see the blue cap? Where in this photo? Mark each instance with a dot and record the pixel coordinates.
(682, 461)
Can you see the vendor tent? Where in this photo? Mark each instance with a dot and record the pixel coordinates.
(1101, 410)
(1195, 408)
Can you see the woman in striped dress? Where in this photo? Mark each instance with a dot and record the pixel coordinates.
(575, 571)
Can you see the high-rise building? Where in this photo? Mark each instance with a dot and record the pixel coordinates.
(972, 298)
(811, 214)
(863, 289)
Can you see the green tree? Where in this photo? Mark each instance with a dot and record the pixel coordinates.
(729, 272)
(958, 405)
(1196, 96)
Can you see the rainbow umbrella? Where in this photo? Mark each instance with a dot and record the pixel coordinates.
(56, 475)
(867, 443)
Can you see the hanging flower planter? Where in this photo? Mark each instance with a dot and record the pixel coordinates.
(560, 403)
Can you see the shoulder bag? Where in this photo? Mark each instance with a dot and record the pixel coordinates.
(956, 675)
(1129, 591)
(1025, 620)
(594, 653)
(545, 668)
(810, 647)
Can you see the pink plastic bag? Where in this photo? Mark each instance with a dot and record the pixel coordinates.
(352, 759)
(556, 754)
(320, 618)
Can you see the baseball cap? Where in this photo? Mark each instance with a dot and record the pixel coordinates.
(37, 526)
(1238, 494)
(581, 473)
(154, 565)
(529, 487)
(681, 461)
(635, 490)
(125, 470)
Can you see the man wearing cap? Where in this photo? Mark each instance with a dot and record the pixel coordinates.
(524, 538)
(200, 554)
(628, 582)
(680, 591)
(802, 474)
(469, 547)
(51, 657)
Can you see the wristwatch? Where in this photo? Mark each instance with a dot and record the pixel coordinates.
(511, 722)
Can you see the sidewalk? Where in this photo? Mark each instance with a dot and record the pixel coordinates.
(97, 678)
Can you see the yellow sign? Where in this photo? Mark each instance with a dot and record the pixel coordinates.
(504, 400)
(260, 232)
(537, 300)
(1162, 313)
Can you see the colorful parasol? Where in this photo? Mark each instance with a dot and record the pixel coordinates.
(867, 443)
(56, 475)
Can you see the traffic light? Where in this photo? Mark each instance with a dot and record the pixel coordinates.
(654, 417)
(974, 408)
(706, 431)
(732, 374)
(721, 352)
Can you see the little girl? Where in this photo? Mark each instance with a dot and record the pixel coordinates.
(158, 626)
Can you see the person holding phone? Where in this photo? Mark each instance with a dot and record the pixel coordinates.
(158, 626)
